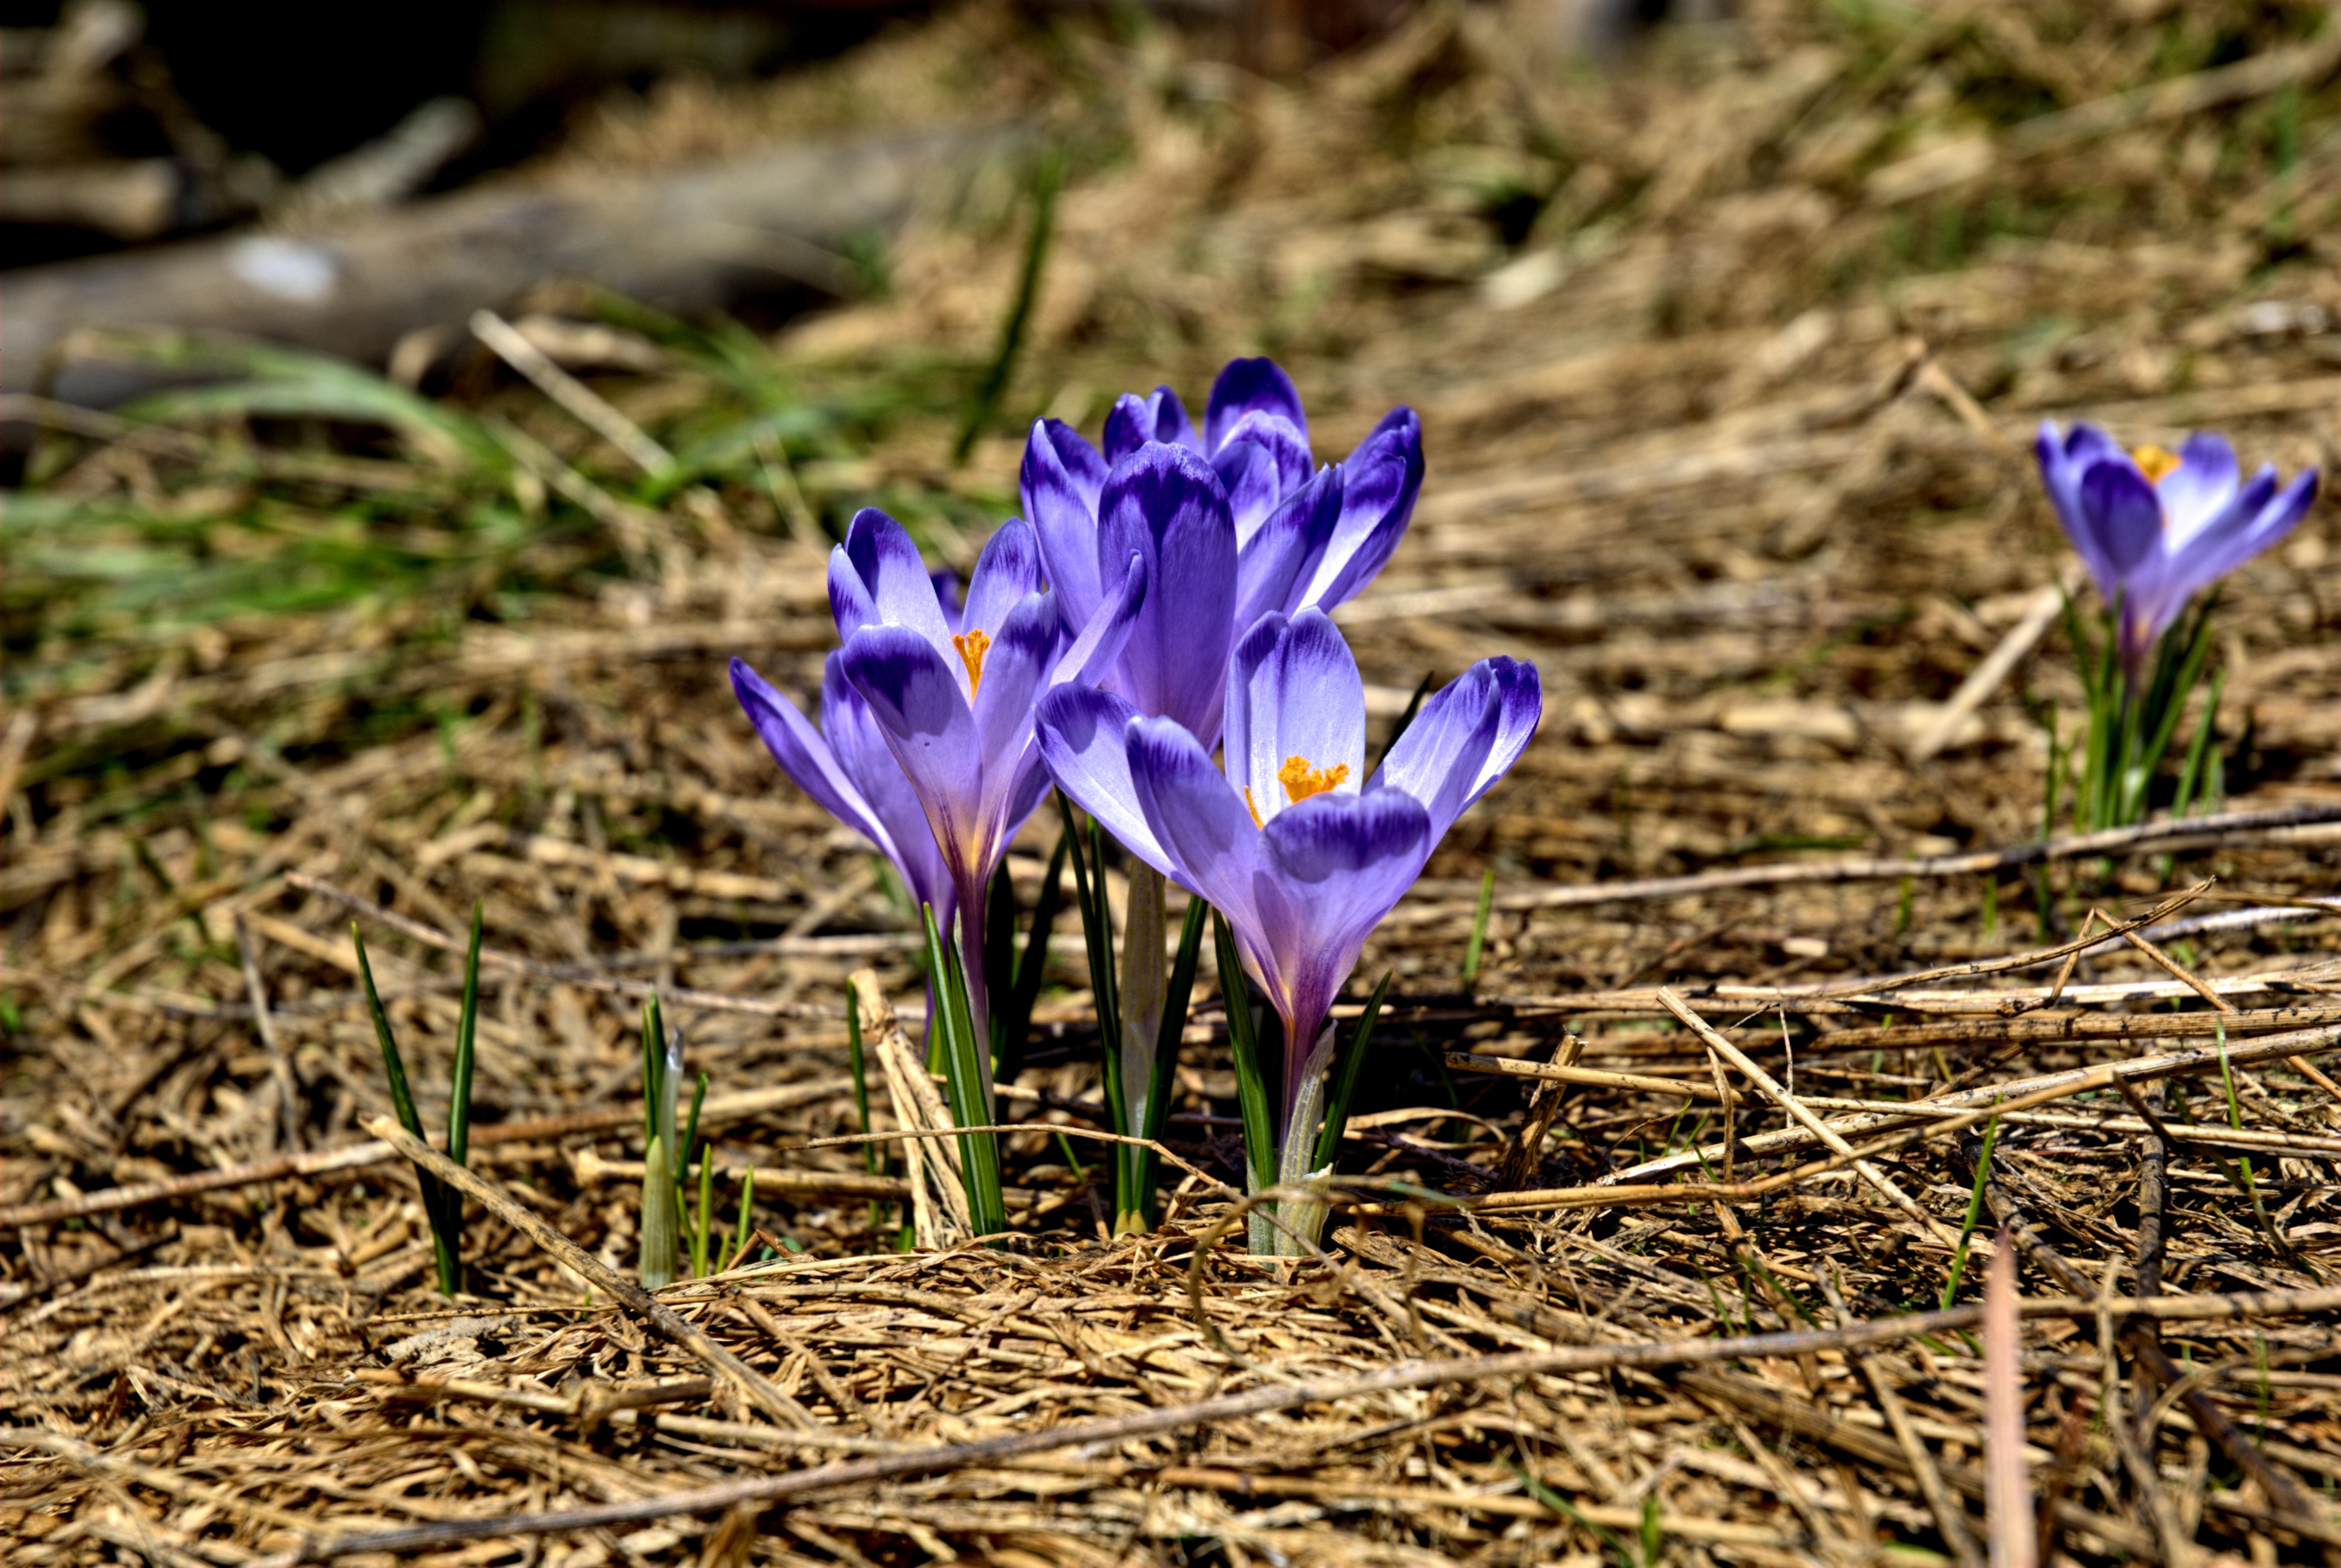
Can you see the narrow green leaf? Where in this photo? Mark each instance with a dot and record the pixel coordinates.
(1251, 1085)
(963, 1077)
(1478, 937)
(1342, 1086)
(467, 1021)
(747, 1224)
(703, 1230)
(445, 1248)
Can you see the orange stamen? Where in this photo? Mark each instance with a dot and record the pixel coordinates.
(2155, 462)
(1301, 780)
(972, 646)
(1251, 806)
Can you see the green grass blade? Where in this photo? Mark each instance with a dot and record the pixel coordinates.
(1034, 964)
(1251, 1085)
(1047, 179)
(702, 1231)
(467, 1023)
(979, 1152)
(653, 1066)
(746, 1226)
(1478, 937)
(1343, 1086)
(445, 1253)
(1974, 1211)
(1096, 941)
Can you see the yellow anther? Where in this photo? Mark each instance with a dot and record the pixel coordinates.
(1253, 807)
(972, 646)
(2153, 462)
(1301, 780)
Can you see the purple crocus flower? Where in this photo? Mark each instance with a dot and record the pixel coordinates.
(1302, 857)
(1270, 534)
(950, 697)
(2154, 527)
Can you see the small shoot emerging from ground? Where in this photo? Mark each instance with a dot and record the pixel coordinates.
(443, 1206)
(1477, 943)
(1974, 1214)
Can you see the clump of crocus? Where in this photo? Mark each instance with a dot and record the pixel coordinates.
(1233, 522)
(2154, 527)
(1299, 852)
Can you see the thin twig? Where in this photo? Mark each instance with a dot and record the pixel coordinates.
(585, 1265)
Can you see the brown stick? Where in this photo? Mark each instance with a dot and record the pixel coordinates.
(585, 1265)
(1270, 1399)
(2191, 832)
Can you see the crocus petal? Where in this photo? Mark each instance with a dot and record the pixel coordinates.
(1060, 481)
(1135, 420)
(1023, 648)
(868, 759)
(850, 604)
(1300, 696)
(1007, 573)
(2121, 510)
(1330, 869)
(1280, 438)
(806, 756)
(920, 704)
(1085, 748)
(881, 554)
(1282, 554)
(1243, 387)
(1090, 656)
(1247, 471)
(2201, 488)
(1163, 504)
(1380, 482)
(2262, 517)
(1205, 834)
(1466, 737)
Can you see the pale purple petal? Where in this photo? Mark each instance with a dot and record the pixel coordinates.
(1247, 471)
(920, 704)
(1277, 437)
(806, 756)
(1007, 573)
(1092, 656)
(1304, 699)
(850, 604)
(1330, 869)
(1085, 748)
(1163, 505)
(1465, 738)
(868, 759)
(2203, 485)
(887, 563)
(1204, 831)
(1379, 483)
(1248, 676)
(1061, 481)
(1135, 420)
(1023, 647)
(1282, 554)
(1246, 386)
(2261, 517)
(2120, 510)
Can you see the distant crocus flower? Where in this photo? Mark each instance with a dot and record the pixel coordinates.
(2154, 527)
(1302, 537)
(955, 701)
(1300, 854)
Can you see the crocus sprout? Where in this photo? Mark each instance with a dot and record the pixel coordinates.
(1301, 854)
